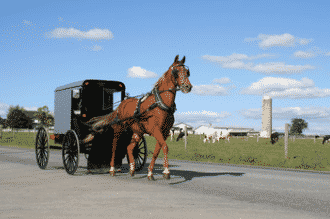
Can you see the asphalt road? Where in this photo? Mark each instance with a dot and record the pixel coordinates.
(195, 190)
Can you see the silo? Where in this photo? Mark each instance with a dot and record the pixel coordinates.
(266, 117)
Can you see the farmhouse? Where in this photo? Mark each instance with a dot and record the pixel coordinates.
(233, 131)
(179, 126)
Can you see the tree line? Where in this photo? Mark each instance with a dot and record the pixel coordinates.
(17, 118)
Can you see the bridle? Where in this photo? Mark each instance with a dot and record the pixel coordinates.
(175, 71)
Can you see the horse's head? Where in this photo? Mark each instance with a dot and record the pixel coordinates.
(181, 74)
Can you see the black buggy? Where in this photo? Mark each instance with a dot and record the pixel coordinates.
(75, 104)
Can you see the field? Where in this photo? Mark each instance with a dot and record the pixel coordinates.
(302, 153)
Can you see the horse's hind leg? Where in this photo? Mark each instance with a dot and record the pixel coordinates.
(130, 148)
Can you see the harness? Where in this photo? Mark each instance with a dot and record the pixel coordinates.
(158, 103)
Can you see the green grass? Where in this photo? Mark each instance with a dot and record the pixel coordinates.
(302, 153)
(308, 155)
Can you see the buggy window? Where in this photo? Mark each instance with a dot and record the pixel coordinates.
(111, 98)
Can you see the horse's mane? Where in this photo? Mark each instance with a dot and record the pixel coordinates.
(161, 79)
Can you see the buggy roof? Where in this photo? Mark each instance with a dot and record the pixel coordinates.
(81, 83)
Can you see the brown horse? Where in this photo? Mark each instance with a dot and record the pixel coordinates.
(153, 114)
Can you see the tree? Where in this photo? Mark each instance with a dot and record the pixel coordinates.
(297, 126)
(44, 117)
(16, 118)
(2, 121)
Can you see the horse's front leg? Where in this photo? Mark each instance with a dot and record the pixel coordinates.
(161, 144)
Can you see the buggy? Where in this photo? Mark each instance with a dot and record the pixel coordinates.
(75, 104)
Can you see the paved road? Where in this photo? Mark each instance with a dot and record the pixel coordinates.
(194, 191)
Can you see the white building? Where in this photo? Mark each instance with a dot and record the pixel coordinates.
(223, 131)
(181, 125)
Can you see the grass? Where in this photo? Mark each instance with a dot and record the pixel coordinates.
(302, 153)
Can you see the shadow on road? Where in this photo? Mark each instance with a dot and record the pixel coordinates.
(186, 175)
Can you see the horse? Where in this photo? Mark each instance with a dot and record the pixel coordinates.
(153, 115)
(274, 137)
(326, 138)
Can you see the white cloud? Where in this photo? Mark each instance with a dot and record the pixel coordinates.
(138, 72)
(234, 57)
(96, 48)
(302, 54)
(222, 81)
(286, 40)
(327, 54)
(94, 34)
(4, 110)
(209, 90)
(287, 113)
(201, 117)
(234, 62)
(286, 88)
(33, 108)
(29, 23)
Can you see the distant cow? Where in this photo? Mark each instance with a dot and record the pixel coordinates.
(274, 137)
(181, 135)
(316, 136)
(326, 138)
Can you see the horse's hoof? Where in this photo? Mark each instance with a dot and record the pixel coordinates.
(131, 172)
(151, 177)
(166, 176)
(112, 173)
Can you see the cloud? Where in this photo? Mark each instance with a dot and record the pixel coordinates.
(96, 48)
(309, 54)
(33, 108)
(201, 117)
(286, 88)
(209, 90)
(234, 61)
(288, 113)
(138, 72)
(222, 81)
(4, 110)
(234, 57)
(29, 23)
(94, 34)
(284, 40)
(305, 55)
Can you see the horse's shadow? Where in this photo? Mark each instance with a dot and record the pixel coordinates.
(186, 175)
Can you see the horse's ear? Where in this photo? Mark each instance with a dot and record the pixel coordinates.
(176, 59)
(183, 60)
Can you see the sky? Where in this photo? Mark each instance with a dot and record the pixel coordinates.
(237, 52)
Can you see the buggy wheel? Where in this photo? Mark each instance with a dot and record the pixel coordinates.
(42, 148)
(70, 152)
(140, 155)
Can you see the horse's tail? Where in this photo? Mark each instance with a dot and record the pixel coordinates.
(95, 119)
(98, 123)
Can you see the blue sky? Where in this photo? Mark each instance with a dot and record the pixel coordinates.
(237, 51)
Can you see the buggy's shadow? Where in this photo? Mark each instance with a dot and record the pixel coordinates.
(186, 175)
